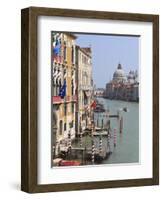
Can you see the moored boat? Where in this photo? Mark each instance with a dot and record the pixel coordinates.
(99, 107)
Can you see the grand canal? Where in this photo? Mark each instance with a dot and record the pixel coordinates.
(127, 148)
(127, 142)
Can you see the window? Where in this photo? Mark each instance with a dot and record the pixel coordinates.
(72, 107)
(65, 51)
(64, 72)
(72, 54)
(60, 127)
(71, 124)
(60, 85)
(65, 109)
(57, 87)
(72, 88)
(65, 126)
(84, 60)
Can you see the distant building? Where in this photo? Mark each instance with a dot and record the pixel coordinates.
(122, 86)
(99, 92)
(84, 88)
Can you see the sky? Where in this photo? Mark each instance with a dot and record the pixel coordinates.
(107, 52)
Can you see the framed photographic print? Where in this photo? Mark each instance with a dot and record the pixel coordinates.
(90, 99)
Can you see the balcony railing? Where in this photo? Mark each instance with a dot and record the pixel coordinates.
(59, 100)
(86, 87)
(74, 98)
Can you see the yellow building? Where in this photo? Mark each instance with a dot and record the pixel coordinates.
(63, 89)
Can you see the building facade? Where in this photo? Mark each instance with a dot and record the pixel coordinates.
(84, 88)
(122, 86)
(99, 92)
(63, 88)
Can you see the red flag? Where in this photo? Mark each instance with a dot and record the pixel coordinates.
(93, 105)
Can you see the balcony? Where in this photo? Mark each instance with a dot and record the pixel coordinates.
(85, 87)
(74, 98)
(59, 100)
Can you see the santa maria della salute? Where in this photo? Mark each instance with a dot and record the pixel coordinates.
(122, 86)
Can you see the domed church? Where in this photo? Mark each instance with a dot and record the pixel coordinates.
(122, 86)
(119, 75)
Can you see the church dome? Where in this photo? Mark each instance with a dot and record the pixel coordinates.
(131, 75)
(119, 74)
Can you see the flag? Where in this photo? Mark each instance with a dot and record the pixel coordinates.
(62, 92)
(57, 51)
(93, 105)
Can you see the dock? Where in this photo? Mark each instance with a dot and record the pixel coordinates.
(99, 146)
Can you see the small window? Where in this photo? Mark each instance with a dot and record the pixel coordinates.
(65, 126)
(72, 88)
(65, 52)
(71, 124)
(60, 127)
(72, 55)
(72, 107)
(65, 108)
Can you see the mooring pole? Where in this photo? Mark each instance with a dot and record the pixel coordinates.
(115, 137)
(97, 122)
(121, 124)
(69, 141)
(100, 145)
(93, 151)
(109, 124)
(118, 114)
(85, 151)
(102, 123)
(109, 150)
(81, 139)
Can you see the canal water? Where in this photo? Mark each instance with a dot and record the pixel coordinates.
(127, 142)
(127, 148)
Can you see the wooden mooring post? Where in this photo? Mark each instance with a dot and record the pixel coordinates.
(97, 122)
(115, 137)
(121, 124)
(80, 139)
(109, 148)
(102, 123)
(93, 152)
(100, 146)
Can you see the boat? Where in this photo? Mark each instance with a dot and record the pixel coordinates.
(69, 163)
(99, 108)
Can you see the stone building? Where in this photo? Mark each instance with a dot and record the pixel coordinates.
(99, 92)
(84, 88)
(122, 86)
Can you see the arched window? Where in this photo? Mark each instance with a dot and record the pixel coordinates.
(65, 109)
(72, 87)
(72, 54)
(60, 85)
(60, 127)
(57, 87)
(65, 51)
